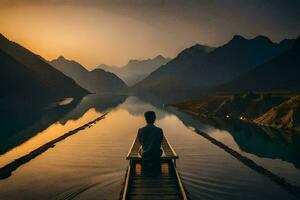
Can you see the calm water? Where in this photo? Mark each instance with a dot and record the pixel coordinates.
(91, 164)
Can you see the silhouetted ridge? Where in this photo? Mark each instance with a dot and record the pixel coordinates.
(278, 74)
(159, 57)
(55, 83)
(61, 58)
(262, 38)
(193, 50)
(136, 70)
(287, 43)
(10, 71)
(98, 80)
(199, 67)
(238, 39)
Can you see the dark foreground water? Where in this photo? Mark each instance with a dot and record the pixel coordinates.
(91, 164)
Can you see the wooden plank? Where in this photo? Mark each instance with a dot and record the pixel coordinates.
(147, 191)
(133, 151)
(126, 185)
(155, 197)
(182, 191)
(140, 186)
(168, 148)
(166, 185)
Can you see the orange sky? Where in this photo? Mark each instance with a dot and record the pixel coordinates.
(112, 32)
(89, 35)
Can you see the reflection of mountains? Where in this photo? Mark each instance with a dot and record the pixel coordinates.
(138, 106)
(19, 126)
(262, 142)
(101, 103)
(166, 97)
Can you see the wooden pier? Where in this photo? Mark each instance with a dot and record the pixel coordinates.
(164, 185)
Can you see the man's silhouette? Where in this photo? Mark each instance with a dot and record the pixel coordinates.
(150, 138)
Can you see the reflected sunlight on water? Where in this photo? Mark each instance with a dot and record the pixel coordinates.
(92, 165)
(53, 131)
(66, 101)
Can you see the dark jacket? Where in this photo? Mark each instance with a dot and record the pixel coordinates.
(150, 138)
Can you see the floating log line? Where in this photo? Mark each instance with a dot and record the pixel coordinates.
(7, 170)
(295, 190)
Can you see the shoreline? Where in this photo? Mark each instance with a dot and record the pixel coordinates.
(6, 171)
(293, 189)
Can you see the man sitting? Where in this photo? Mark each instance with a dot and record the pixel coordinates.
(150, 138)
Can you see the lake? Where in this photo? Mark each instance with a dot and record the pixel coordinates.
(91, 164)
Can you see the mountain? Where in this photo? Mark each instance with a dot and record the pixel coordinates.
(279, 74)
(108, 68)
(286, 115)
(98, 80)
(10, 71)
(136, 70)
(69, 67)
(240, 106)
(201, 67)
(25, 73)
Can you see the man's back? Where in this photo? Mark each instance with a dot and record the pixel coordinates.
(150, 138)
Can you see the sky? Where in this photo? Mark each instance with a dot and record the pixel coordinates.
(114, 31)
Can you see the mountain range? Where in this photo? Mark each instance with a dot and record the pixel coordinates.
(27, 74)
(240, 65)
(136, 70)
(97, 80)
(278, 74)
(200, 67)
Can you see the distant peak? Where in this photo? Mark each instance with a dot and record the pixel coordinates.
(197, 48)
(100, 71)
(61, 58)
(159, 57)
(263, 38)
(133, 61)
(286, 41)
(238, 38)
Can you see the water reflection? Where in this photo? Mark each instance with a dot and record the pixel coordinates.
(137, 107)
(52, 122)
(264, 146)
(18, 125)
(101, 103)
(92, 165)
(276, 151)
(260, 141)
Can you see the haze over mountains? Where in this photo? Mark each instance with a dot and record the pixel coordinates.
(136, 70)
(97, 80)
(199, 67)
(242, 64)
(25, 73)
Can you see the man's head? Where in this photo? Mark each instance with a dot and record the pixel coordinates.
(150, 117)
